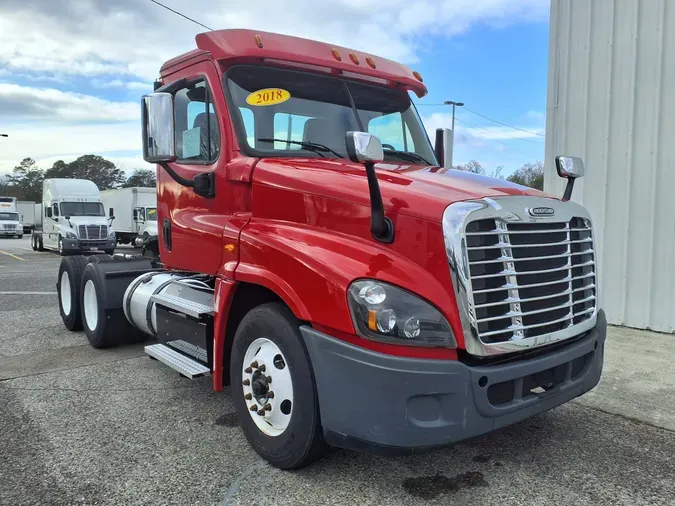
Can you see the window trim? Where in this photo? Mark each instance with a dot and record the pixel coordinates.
(189, 83)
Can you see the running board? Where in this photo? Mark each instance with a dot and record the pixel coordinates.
(188, 307)
(177, 361)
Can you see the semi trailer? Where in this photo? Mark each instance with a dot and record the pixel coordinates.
(352, 289)
(26, 210)
(72, 219)
(133, 212)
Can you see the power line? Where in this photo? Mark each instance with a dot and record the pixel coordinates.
(496, 140)
(490, 119)
(181, 14)
(503, 124)
(486, 129)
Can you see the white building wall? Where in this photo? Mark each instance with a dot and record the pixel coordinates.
(611, 101)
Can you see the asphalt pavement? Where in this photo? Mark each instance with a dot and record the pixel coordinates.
(83, 426)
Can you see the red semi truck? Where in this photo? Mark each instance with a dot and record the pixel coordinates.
(316, 255)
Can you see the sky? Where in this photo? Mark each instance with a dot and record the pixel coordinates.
(72, 71)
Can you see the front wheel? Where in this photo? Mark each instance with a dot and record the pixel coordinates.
(273, 388)
(60, 247)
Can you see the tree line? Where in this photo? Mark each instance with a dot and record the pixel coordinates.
(25, 181)
(530, 174)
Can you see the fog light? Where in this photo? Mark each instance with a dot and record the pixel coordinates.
(373, 294)
(386, 320)
(412, 327)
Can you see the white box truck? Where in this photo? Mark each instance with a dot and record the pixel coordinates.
(72, 218)
(10, 222)
(26, 210)
(134, 211)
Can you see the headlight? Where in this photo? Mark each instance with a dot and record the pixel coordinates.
(111, 234)
(70, 235)
(386, 313)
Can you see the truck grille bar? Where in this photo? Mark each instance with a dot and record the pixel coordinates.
(529, 279)
(93, 232)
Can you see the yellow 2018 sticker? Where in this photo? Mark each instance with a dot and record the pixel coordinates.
(268, 96)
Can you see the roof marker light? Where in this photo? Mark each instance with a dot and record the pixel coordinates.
(258, 41)
(370, 62)
(418, 76)
(352, 57)
(336, 54)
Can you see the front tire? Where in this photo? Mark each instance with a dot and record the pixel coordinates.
(68, 290)
(284, 429)
(60, 247)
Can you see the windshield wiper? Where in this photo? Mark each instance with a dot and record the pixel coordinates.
(309, 146)
(407, 155)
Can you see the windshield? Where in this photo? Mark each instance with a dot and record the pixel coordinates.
(9, 216)
(280, 112)
(152, 213)
(82, 209)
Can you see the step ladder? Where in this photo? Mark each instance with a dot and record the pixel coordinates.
(186, 366)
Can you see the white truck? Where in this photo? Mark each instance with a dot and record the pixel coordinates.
(10, 222)
(72, 218)
(134, 213)
(26, 210)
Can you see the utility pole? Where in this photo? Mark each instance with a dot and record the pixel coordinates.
(452, 139)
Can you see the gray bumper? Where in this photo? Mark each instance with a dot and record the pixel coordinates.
(78, 245)
(375, 402)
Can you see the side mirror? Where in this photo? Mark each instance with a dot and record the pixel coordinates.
(111, 213)
(569, 167)
(363, 147)
(67, 217)
(157, 118)
(443, 147)
(135, 214)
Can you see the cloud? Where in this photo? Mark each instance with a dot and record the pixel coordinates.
(128, 38)
(52, 142)
(538, 116)
(24, 103)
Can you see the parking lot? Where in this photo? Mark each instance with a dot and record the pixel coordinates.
(83, 426)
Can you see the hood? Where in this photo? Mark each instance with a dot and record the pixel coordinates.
(422, 192)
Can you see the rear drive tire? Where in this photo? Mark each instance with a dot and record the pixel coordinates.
(104, 327)
(288, 431)
(33, 242)
(40, 244)
(68, 290)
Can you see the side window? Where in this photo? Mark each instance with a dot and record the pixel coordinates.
(249, 124)
(392, 131)
(48, 212)
(197, 132)
(290, 127)
(56, 209)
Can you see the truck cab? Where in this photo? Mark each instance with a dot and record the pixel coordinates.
(317, 254)
(73, 218)
(10, 220)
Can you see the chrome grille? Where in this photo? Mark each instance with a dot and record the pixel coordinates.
(529, 279)
(9, 226)
(95, 232)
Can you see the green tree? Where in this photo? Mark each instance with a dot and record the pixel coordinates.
(530, 174)
(25, 181)
(142, 177)
(102, 172)
(472, 166)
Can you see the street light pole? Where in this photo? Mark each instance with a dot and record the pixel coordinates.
(452, 139)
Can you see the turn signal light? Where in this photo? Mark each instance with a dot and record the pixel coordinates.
(370, 62)
(336, 54)
(352, 57)
(258, 41)
(418, 76)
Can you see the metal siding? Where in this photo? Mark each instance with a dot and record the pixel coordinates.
(611, 88)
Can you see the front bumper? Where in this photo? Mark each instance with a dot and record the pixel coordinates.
(74, 245)
(8, 233)
(387, 404)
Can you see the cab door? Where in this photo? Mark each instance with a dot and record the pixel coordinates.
(191, 226)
